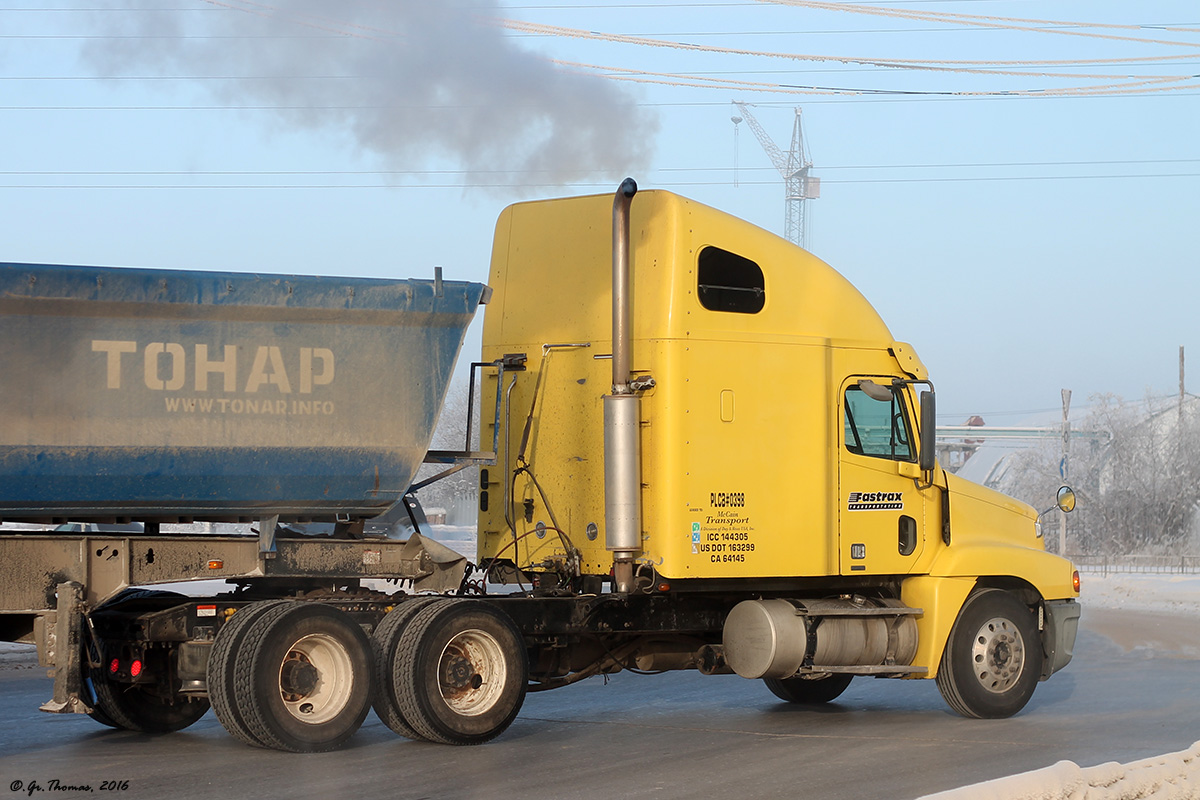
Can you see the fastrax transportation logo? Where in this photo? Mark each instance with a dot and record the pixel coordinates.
(875, 501)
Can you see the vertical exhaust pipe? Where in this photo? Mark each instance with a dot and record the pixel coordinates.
(622, 414)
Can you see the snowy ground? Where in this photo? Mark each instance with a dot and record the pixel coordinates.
(1161, 616)
(1177, 594)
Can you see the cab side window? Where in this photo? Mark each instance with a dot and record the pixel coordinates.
(728, 282)
(877, 428)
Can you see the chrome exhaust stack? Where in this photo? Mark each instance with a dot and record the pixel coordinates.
(622, 414)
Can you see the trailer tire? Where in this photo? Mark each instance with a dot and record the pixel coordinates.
(90, 655)
(133, 708)
(460, 673)
(222, 672)
(385, 641)
(992, 659)
(303, 677)
(130, 707)
(809, 691)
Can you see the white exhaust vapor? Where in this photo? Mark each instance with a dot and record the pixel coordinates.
(410, 80)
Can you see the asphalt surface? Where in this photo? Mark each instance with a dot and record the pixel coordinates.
(1132, 691)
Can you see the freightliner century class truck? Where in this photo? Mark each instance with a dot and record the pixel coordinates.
(706, 452)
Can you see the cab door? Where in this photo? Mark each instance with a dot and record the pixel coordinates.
(881, 504)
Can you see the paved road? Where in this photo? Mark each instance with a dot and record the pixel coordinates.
(1133, 691)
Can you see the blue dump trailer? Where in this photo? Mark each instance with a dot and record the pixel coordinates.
(134, 394)
(134, 398)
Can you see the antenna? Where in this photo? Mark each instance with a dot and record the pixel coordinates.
(794, 167)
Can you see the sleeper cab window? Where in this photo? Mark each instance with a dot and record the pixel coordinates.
(729, 282)
(877, 428)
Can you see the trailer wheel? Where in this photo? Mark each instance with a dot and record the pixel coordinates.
(89, 656)
(222, 670)
(460, 672)
(135, 708)
(992, 660)
(303, 677)
(384, 642)
(809, 691)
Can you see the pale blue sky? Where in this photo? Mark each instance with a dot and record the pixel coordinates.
(1022, 243)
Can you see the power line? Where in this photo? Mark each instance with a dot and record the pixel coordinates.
(597, 168)
(793, 71)
(961, 165)
(572, 184)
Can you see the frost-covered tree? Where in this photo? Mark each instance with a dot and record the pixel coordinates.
(1139, 491)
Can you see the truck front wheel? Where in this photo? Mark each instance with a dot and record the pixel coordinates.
(809, 691)
(992, 660)
(303, 677)
(460, 672)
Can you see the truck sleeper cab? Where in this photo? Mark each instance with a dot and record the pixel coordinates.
(786, 464)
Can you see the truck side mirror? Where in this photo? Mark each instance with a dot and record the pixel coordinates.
(1066, 499)
(928, 455)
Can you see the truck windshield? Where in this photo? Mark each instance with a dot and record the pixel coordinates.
(877, 428)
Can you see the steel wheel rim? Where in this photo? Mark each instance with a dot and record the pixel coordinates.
(998, 655)
(316, 679)
(472, 673)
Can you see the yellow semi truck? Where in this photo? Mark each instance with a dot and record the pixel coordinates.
(706, 452)
(731, 440)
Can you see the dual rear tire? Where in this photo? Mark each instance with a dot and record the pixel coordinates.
(451, 671)
(291, 676)
(301, 676)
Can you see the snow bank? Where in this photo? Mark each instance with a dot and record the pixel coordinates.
(1174, 776)
(17, 656)
(1164, 593)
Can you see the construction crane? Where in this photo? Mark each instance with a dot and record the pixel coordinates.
(794, 166)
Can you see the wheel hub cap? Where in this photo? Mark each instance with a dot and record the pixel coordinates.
(998, 655)
(472, 672)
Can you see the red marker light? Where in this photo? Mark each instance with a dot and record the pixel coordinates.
(135, 668)
(114, 666)
(1075, 581)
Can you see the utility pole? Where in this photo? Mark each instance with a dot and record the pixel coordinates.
(793, 166)
(1064, 467)
(1181, 383)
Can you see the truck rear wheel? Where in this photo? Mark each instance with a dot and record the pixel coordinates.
(221, 671)
(303, 677)
(992, 660)
(460, 672)
(384, 642)
(809, 691)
